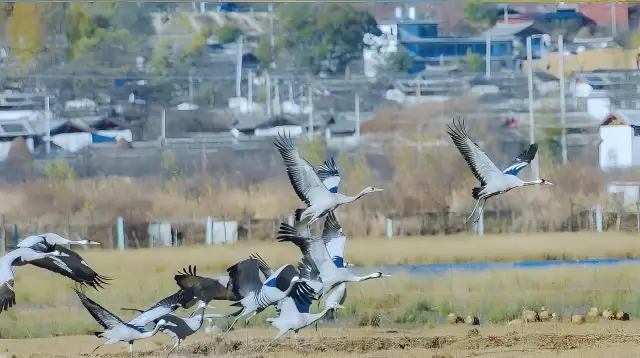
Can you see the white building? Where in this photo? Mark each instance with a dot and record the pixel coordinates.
(620, 135)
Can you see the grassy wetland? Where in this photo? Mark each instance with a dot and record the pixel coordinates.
(46, 305)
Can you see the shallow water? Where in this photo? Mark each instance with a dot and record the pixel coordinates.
(439, 269)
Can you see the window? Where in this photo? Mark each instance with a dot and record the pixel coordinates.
(13, 128)
(636, 131)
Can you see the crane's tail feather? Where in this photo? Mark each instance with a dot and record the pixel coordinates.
(475, 192)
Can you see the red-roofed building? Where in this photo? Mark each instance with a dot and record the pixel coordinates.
(600, 13)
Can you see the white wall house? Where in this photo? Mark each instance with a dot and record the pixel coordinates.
(620, 135)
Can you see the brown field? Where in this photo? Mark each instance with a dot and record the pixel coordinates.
(601, 339)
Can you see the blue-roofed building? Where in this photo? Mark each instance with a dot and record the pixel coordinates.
(420, 38)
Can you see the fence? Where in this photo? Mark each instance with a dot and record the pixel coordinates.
(214, 231)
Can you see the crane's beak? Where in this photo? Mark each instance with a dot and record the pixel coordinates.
(93, 243)
(378, 189)
(548, 183)
(340, 306)
(346, 264)
(383, 275)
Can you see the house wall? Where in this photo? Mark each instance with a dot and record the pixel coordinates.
(616, 147)
(459, 49)
(600, 13)
(630, 193)
(635, 146)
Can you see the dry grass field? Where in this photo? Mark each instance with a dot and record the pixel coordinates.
(46, 305)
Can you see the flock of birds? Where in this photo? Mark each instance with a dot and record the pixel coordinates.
(291, 289)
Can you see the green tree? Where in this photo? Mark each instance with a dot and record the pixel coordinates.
(228, 33)
(401, 61)
(473, 61)
(324, 37)
(58, 169)
(481, 13)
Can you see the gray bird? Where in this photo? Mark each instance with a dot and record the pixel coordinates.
(72, 265)
(183, 327)
(308, 186)
(316, 257)
(294, 314)
(8, 262)
(493, 181)
(116, 330)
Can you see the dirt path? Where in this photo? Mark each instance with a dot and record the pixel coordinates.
(619, 339)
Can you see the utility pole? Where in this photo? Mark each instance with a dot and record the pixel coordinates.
(532, 125)
(614, 25)
(310, 130)
(291, 91)
(47, 115)
(357, 115)
(563, 120)
(163, 128)
(239, 67)
(250, 90)
(268, 94)
(487, 56)
(272, 42)
(191, 85)
(277, 97)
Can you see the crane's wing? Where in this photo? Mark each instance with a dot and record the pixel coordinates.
(334, 239)
(105, 318)
(36, 243)
(300, 226)
(522, 160)
(163, 307)
(73, 267)
(479, 163)
(329, 174)
(303, 178)
(262, 265)
(245, 277)
(203, 288)
(312, 248)
(7, 295)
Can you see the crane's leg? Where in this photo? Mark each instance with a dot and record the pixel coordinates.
(234, 323)
(273, 340)
(93, 351)
(175, 345)
(131, 349)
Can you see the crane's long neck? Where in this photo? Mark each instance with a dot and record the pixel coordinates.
(355, 278)
(533, 182)
(310, 318)
(151, 333)
(196, 322)
(348, 199)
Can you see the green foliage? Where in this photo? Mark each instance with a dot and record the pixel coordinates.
(401, 61)
(324, 37)
(136, 19)
(228, 33)
(481, 13)
(473, 61)
(58, 169)
(170, 163)
(263, 52)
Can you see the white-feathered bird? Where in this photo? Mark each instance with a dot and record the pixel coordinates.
(294, 314)
(308, 186)
(116, 330)
(316, 257)
(8, 262)
(72, 265)
(493, 181)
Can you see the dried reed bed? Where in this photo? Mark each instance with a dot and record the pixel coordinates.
(434, 179)
(48, 307)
